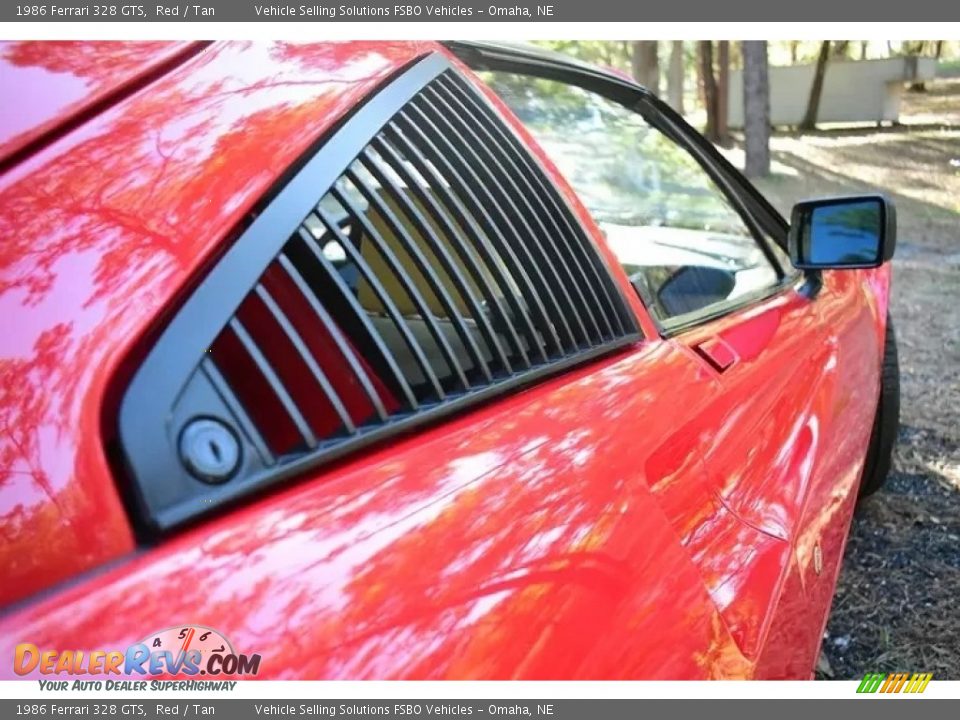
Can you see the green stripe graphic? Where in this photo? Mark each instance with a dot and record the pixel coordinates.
(871, 682)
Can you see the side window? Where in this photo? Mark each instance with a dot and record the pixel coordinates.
(675, 233)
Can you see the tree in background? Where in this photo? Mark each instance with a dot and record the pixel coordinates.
(708, 88)
(723, 93)
(840, 49)
(645, 64)
(675, 76)
(809, 121)
(715, 88)
(756, 107)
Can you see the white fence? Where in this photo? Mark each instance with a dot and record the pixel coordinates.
(861, 91)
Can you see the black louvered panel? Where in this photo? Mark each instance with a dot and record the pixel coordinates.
(603, 296)
(420, 262)
(538, 201)
(510, 316)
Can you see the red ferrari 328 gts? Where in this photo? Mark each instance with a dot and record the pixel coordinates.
(409, 360)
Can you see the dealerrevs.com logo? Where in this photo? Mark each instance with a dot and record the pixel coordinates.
(184, 651)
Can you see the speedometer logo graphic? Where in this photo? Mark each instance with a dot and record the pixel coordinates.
(182, 639)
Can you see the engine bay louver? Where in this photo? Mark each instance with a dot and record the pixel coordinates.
(419, 262)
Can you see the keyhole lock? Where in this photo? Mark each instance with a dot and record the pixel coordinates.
(210, 450)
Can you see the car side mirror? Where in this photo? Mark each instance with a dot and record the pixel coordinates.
(859, 231)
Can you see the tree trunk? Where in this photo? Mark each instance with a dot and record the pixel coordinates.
(723, 92)
(913, 63)
(653, 60)
(809, 121)
(646, 65)
(709, 89)
(637, 69)
(937, 49)
(756, 107)
(675, 76)
(698, 66)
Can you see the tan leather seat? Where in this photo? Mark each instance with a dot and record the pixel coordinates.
(370, 301)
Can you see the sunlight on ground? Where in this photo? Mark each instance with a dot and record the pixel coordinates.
(950, 471)
(736, 156)
(917, 161)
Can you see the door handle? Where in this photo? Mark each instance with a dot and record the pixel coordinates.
(717, 353)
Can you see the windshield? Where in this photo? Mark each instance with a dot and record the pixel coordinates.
(625, 171)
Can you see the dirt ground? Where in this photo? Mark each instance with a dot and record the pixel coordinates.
(896, 604)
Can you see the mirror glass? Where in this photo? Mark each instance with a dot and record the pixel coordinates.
(694, 287)
(843, 233)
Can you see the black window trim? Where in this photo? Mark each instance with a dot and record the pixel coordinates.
(763, 220)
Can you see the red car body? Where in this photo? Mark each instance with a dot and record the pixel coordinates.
(644, 516)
